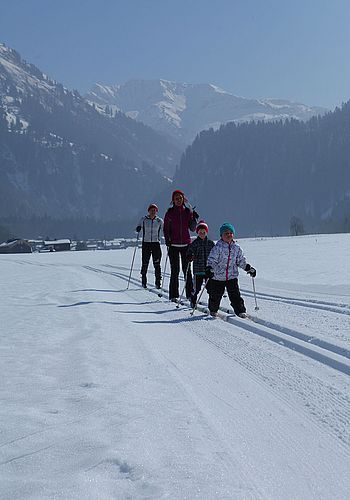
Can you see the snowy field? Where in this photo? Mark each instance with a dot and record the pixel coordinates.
(108, 393)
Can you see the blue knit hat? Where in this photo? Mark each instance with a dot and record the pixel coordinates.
(226, 226)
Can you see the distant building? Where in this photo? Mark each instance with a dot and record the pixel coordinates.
(56, 245)
(36, 245)
(15, 246)
(81, 245)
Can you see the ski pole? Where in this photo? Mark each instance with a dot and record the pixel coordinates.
(165, 264)
(199, 297)
(184, 288)
(256, 304)
(133, 258)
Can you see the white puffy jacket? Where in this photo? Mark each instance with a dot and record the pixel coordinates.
(224, 259)
(151, 229)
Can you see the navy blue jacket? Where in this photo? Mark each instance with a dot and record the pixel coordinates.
(200, 249)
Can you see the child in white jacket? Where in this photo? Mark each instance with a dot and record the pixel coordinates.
(222, 269)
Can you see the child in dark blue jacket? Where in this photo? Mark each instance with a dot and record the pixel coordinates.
(198, 252)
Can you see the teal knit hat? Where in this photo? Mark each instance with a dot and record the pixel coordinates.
(226, 226)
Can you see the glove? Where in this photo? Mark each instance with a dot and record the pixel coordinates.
(190, 257)
(195, 215)
(250, 270)
(209, 273)
(138, 229)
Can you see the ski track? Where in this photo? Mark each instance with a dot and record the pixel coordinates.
(280, 436)
(273, 331)
(227, 459)
(311, 303)
(337, 307)
(301, 386)
(327, 406)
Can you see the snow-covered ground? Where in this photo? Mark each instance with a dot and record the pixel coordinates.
(108, 393)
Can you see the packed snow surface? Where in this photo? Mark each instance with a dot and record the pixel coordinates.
(114, 393)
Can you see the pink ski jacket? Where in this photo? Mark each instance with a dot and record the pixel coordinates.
(178, 222)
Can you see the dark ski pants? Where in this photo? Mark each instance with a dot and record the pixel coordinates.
(216, 291)
(148, 250)
(175, 254)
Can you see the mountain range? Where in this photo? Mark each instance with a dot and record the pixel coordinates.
(182, 110)
(61, 158)
(70, 161)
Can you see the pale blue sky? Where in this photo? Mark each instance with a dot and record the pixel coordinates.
(293, 49)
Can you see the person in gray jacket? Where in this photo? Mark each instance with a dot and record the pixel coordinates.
(222, 269)
(151, 226)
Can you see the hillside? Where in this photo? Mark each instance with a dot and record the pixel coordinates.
(261, 175)
(61, 158)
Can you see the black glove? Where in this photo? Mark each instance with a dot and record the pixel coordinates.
(209, 273)
(250, 270)
(195, 215)
(190, 257)
(138, 229)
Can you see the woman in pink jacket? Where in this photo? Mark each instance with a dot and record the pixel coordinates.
(179, 220)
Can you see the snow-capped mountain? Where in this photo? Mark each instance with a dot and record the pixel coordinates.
(182, 110)
(60, 157)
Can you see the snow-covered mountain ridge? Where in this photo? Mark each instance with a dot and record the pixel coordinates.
(20, 81)
(182, 110)
(60, 157)
(16, 67)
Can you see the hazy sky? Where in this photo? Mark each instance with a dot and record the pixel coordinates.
(293, 49)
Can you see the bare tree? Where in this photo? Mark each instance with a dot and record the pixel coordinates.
(296, 226)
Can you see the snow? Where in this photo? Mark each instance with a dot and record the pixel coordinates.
(11, 118)
(16, 72)
(56, 242)
(24, 124)
(264, 117)
(132, 114)
(106, 157)
(113, 393)
(217, 89)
